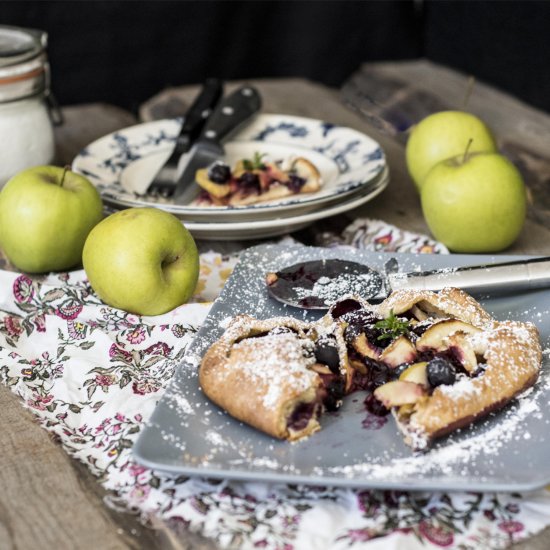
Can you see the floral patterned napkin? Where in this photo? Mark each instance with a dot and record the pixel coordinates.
(92, 375)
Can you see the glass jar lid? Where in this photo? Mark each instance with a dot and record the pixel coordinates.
(18, 44)
(24, 69)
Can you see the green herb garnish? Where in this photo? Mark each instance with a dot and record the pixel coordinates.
(256, 163)
(392, 327)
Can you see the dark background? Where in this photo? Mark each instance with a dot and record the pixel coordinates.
(124, 52)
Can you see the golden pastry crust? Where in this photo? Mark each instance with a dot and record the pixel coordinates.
(513, 357)
(449, 302)
(510, 352)
(264, 380)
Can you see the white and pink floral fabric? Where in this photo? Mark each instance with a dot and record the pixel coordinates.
(92, 375)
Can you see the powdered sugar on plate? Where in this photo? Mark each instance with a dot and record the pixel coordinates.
(330, 290)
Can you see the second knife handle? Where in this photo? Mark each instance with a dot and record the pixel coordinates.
(231, 112)
(201, 109)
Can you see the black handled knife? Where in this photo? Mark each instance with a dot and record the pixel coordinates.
(231, 112)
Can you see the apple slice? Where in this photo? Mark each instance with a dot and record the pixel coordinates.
(320, 368)
(399, 392)
(405, 411)
(305, 169)
(275, 173)
(464, 351)
(419, 314)
(416, 373)
(435, 338)
(216, 189)
(400, 351)
(362, 345)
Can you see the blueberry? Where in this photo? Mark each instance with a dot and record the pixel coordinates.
(358, 322)
(374, 406)
(378, 373)
(343, 307)
(219, 172)
(295, 183)
(335, 390)
(440, 371)
(326, 352)
(250, 181)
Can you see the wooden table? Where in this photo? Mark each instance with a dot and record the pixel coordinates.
(48, 500)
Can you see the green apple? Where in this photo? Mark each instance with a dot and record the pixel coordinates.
(46, 213)
(142, 260)
(474, 202)
(444, 135)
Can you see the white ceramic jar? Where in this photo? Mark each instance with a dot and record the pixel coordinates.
(26, 128)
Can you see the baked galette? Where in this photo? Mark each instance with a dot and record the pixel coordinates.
(437, 361)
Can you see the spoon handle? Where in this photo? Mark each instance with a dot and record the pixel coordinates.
(498, 278)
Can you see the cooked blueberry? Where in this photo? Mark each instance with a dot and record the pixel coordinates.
(343, 307)
(250, 181)
(326, 352)
(358, 322)
(295, 183)
(334, 387)
(301, 415)
(420, 328)
(219, 172)
(378, 373)
(374, 406)
(440, 371)
(360, 381)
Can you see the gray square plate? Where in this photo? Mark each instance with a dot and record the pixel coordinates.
(508, 451)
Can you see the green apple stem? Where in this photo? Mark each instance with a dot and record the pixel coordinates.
(469, 90)
(465, 157)
(66, 168)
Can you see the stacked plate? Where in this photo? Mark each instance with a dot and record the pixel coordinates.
(352, 166)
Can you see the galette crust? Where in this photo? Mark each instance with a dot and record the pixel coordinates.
(511, 351)
(261, 380)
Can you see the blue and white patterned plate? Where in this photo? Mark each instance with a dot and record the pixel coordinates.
(122, 164)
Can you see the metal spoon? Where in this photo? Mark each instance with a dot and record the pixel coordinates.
(318, 284)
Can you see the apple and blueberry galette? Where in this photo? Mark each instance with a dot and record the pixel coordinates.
(437, 361)
(255, 180)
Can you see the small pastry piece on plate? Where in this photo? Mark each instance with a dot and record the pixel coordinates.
(256, 180)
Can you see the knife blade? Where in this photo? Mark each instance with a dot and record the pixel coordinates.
(318, 284)
(164, 182)
(231, 112)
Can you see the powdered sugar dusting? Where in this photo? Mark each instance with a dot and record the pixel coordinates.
(462, 387)
(330, 290)
(281, 361)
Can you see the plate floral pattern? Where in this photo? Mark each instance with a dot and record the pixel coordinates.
(357, 158)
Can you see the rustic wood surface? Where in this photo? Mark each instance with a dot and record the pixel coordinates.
(48, 500)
